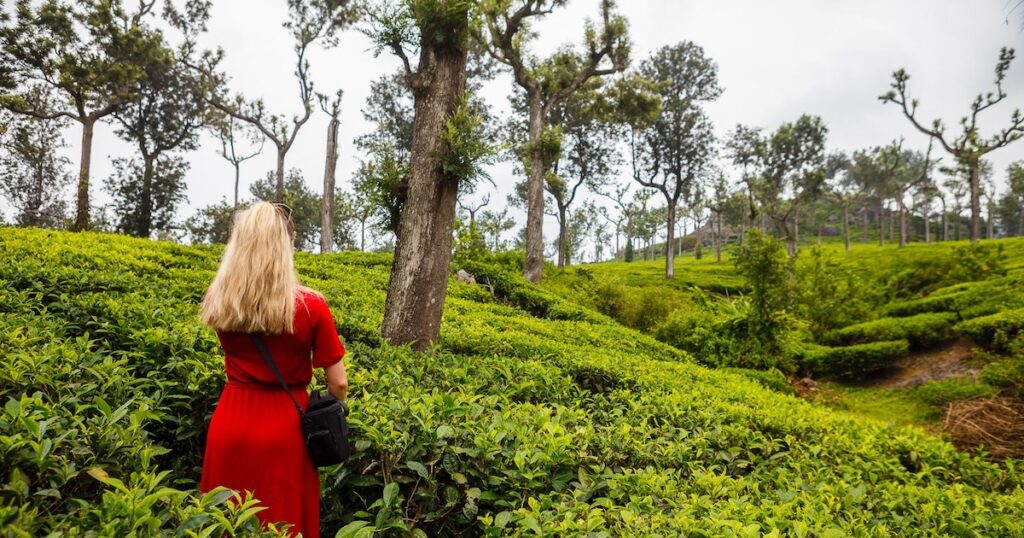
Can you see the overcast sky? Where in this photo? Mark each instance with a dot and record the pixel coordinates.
(776, 60)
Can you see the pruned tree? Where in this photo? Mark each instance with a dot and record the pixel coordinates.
(90, 53)
(232, 134)
(969, 147)
(331, 107)
(676, 150)
(33, 174)
(309, 21)
(448, 149)
(504, 31)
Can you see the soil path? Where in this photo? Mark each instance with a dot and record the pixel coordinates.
(920, 367)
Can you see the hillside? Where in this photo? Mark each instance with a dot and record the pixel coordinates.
(535, 416)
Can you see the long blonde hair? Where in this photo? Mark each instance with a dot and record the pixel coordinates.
(256, 284)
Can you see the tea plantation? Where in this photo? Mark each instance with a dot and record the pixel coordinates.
(534, 416)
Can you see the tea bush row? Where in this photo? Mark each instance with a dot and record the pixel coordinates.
(516, 422)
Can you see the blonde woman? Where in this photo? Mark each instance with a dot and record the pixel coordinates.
(255, 442)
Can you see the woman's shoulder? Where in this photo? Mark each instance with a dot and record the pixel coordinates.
(311, 297)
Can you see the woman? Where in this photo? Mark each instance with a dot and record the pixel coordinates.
(255, 442)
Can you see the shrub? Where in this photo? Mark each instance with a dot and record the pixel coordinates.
(940, 303)
(921, 331)
(773, 378)
(995, 331)
(830, 294)
(946, 391)
(965, 264)
(852, 361)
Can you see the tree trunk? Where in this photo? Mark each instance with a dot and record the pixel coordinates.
(327, 201)
(743, 233)
(945, 222)
(533, 267)
(846, 225)
(670, 232)
(238, 174)
(144, 224)
(975, 203)
(718, 238)
(892, 226)
(1020, 225)
(82, 213)
(928, 222)
(362, 235)
(989, 229)
(881, 225)
(902, 209)
(796, 231)
(864, 219)
(279, 184)
(563, 231)
(419, 273)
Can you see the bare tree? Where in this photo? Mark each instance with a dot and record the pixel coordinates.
(331, 107)
(969, 147)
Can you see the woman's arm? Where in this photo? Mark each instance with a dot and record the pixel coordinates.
(337, 380)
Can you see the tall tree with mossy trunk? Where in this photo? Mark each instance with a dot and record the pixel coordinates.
(969, 147)
(506, 28)
(448, 149)
(89, 52)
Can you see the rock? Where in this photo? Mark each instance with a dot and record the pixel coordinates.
(463, 276)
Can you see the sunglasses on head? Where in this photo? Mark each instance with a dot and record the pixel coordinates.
(284, 209)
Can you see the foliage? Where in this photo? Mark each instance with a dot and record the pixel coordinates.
(921, 331)
(768, 271)
(997, 330)
(33, 175)
(166, 191)
(946, 391)
(850, 362)
(830, 294)
(514, 422)
(304, 202)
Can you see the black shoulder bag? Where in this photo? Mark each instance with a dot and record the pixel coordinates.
(323, 423)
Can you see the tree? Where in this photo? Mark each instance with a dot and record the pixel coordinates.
(151, 204)
(957, 189)
(211, 224)
(447, 149)
(309, 21)
(581, 223)
(792, 161)
(232, 134)
(587, 157)
(90, 52)
(379, 180)
(504, 31)
(333, 109)
(33, 174)
(1014, 197)
(304, 202)
(969, 147)
(676, 150)
(912, 171)
(165, 117)
(988, 191)
(494, 223)
(842, 188)
(742, 146)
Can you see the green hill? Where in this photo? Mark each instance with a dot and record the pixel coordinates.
(535, 415)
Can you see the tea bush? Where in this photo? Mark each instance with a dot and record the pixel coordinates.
(996, 330)
(921, 331)
(852, 361)
(534, 414)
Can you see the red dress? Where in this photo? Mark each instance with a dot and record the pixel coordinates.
(255, 442)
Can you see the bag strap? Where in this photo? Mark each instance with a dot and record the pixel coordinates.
(273, 366)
